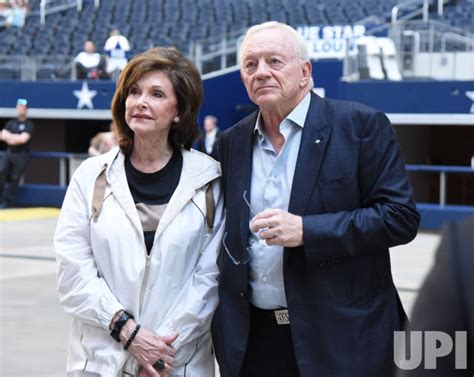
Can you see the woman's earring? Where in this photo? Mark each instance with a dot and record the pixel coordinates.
(176, 119)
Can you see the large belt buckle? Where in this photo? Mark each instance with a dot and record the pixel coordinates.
(282, 317)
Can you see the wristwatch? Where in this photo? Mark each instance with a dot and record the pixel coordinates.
(119, 323)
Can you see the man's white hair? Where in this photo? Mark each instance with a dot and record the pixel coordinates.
(299, 44)
(298, 41)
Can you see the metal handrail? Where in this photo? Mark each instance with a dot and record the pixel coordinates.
(442, 170)
(468, 42)
(63, 158)
(60, 7)
(396, 9)
(54, 9)
(27, 67)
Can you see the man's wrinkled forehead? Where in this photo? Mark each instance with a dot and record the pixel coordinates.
(268, 42)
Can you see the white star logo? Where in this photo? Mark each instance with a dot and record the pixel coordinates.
(85, 96)
(470, 95)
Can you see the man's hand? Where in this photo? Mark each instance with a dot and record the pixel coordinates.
(278, 227)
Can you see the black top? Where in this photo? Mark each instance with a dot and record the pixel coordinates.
(17, 127)
(151, 193)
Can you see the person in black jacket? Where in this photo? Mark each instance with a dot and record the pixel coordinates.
(446, 303)
(17, 135)
(316, 193)
(208, 142)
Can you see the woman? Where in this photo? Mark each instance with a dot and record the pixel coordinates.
(103, 141)
(136, 241)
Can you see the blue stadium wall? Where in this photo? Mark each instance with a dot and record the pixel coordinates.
(226, 98)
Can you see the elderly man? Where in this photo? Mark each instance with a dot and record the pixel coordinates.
(208, 142)
(316, 192)
(17, 136)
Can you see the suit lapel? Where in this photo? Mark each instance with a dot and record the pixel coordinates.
(315, 137)
(242, 151)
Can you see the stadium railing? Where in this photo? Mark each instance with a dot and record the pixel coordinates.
(443, 171)
(433, 214)
(34, 194)
(49, 7)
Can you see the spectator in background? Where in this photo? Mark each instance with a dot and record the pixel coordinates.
(17, 135)
(446, 302)
(5, 11)
(117, 49)
(4, 7)
(18, 12)
(103, 141)
(89, 63)
(208, 141)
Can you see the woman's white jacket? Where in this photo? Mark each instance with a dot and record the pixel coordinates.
(103, 265)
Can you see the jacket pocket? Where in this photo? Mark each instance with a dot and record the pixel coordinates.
(185, 354)
(200, 359)
(356, 282)
(94, 340)
(340, 193)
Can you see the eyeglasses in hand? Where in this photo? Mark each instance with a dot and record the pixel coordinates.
(245, 256)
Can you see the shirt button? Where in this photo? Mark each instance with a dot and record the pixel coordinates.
(264, 278)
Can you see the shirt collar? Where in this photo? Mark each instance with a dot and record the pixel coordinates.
(212, 133)
(297, 115)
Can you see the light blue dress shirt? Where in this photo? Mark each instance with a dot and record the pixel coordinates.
(272, 178)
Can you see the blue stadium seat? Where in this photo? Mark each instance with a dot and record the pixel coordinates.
(179, 22)
(9, 72)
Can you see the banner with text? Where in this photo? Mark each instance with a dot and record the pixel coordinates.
(331, 42)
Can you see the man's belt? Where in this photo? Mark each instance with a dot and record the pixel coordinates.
(280, 315)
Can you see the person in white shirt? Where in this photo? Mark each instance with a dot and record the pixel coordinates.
(89, 63)
(117, 49)
(103, 141)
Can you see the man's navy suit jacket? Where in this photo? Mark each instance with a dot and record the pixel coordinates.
(352, 190)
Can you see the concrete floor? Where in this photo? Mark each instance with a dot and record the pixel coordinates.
(34, 328)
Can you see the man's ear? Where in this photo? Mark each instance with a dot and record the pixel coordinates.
(307, 68)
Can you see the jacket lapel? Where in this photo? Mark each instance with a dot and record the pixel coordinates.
(315, 137)
(192, 179)
(181, 196)
(119, 187)
(241, 162)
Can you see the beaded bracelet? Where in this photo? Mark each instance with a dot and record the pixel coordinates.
(130, 340)
(119, 324)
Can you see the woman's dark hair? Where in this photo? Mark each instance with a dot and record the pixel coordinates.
(187, 86)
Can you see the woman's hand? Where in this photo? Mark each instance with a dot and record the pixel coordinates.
(148, 348)
(144, 373)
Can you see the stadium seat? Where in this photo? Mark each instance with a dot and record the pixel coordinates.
(9, 72)
(180, 22)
